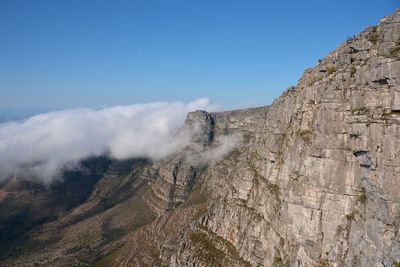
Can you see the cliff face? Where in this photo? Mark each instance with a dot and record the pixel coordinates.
(315, 181)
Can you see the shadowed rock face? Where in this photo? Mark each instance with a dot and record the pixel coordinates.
(315, 181)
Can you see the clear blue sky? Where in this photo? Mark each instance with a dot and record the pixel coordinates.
(74, 53)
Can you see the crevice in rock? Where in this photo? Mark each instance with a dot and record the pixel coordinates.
(383, 81)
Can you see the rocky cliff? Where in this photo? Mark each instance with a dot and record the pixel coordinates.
(315, 181)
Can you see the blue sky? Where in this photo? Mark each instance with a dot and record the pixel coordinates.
(93, 53)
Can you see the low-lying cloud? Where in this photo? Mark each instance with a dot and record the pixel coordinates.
(222, 145)
(42, 145)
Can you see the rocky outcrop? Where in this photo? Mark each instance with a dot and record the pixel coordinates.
(315, 181)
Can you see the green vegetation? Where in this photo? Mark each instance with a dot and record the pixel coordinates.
(86, 239)
(28, 245)
(359, 110)
(305, 135)
(314, 79)
(330, 70)
(197, 196)
(142, 214)
(214, 250)
(323, 263)
(112, 258)
(373, 38)
(353, 71)
(207, 252)
(395, 50)
(386, 113)
(311, 102)
(273, 188)
(350, 217)
(362, 198)
(278, 262)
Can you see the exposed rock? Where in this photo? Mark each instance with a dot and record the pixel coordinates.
(315, 182)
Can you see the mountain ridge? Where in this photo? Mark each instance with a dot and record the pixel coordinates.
(313, 183)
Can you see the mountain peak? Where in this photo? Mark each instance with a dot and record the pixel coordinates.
(314, 182)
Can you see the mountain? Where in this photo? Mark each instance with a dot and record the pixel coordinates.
(315, 182)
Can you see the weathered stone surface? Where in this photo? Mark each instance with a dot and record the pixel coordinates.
(395, 105)
(315, 181)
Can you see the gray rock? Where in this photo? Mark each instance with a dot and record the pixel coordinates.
(314, 183)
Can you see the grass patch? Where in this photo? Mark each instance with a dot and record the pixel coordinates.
(314, 80)
(395, 50)
(111, 258)
(197, 196)
(359, 110)
(330, 70)
(350, 217)
(386, 113)
(373, 38)
(28, 246)
(278, 261)
(353, 71)
(207, 252)
(213, 250)
(305, 135)
(362, 198)
(323, 263)
(273, 188)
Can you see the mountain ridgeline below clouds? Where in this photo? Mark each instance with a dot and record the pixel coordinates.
(44, 145)
(312, 180)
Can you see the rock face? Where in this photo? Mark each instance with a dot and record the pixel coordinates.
(315, 181)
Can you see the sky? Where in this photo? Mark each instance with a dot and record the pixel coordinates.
(57, 54)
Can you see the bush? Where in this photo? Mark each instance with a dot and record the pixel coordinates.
(363, 199)
(360, 110)
(373, 38)
(353, 71)
(395, 50)
(330, 70)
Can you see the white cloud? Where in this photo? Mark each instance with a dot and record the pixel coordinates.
(41, 145)
(222, 145)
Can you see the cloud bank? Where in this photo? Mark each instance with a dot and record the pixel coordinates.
(222, 145)
(41, 145)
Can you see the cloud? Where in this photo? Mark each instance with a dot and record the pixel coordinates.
(209, 155)
(41, 145)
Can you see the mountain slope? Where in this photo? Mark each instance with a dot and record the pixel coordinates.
(315, 181)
